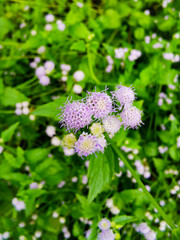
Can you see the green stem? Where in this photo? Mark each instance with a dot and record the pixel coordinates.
(90, 66)
(149, 196)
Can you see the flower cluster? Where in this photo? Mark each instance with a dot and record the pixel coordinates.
(106, 233)
(101, 113)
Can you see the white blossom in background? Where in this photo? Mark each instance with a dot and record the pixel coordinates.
(65, 69)
(68, 152)
(77, 89)
(22, 25)
(60, 25)
(134, 55)
(55, 141)
(19, 205)
(84, 179)
(110, 62)
(37, 59)
(49, 17)
(120, 52)
(48, 27)
(50, 131)
(157, 45)
(5, 235)
(22, 108)
(147, 12)
(61, 184)
(178, 142)
(78, 76)
(55, 214)
(33, 32)
(44, 80)
(79, 4)
(41, 49)
(147, 39)
(33, 64)
(38, 234)
(49, 66)
(1, 149)
(40, 71)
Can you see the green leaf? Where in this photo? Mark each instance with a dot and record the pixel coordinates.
(36, 155)
(123, 219)
(7, 134)
(11, 159)
(89, 209)
(11, 96)
(79, 46)
(5, 26)
(50, 109)
(79, 30)
(1, 86)
(111, 19)
(151, 149)
(176, 234)
(166, 25)
(139, 33)
(99, 173)
(20, 156)
(159, 163)
(174, 153)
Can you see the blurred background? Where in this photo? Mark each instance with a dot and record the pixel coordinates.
(50, 50)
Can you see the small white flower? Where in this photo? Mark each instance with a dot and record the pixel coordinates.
(50, 131)
(49, 18)
(55, 141)
(77, 89)
(78, 75)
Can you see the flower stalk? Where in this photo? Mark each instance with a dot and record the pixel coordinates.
(149, 196)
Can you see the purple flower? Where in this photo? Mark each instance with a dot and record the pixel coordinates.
(106, 235)
(100, 104)
(75, 115)
(124, 95)
(131, 117)
(104, 224)
(86, 145)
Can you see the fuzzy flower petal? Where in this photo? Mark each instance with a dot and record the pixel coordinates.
(106, 235)
(131, 117)
(100, 104)
(86, 144)
(75, 115)
(124, 95)
(104, 224)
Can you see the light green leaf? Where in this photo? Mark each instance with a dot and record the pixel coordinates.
(176, 234)
(5, 26)
(99, 173)
(89, 209)
(79, 46)
(36, 155)
(50, 109)
(11, 159)
(8, 133)
(11, 96)
(122, 220)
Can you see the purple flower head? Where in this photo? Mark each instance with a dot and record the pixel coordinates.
(86, 145)
(75, 115)
(104, 224)
(124, 95)
(131, 117)
(100, 104)
(106, 235)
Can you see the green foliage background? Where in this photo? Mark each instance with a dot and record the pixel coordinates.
(92, 32)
